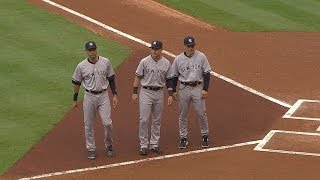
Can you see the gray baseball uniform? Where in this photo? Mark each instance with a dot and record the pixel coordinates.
(153, 76)
(191, 70)
(94, 78)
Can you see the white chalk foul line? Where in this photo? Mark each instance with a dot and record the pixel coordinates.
(284, 104)
(109, 28)
(141, 160)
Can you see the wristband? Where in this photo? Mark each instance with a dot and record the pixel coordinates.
(75, 96)
(135, 90)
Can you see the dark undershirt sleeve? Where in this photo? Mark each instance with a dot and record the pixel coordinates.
(206, 80)
(174, 83)
(169, 83)
(76, 82)
(112, 84)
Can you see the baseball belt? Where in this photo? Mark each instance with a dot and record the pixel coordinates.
(192, 84)
(153, 88)
(96, 92)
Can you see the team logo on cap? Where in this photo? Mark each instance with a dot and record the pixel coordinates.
(90, 44)
(154, 43)
(190, 40)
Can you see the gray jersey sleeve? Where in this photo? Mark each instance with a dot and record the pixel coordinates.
(174, 71)
(140, 69)
(168, 72)
(206, 66)
(77, 75)
(110, 71)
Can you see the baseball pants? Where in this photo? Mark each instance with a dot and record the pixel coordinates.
(188, 94)
(91, 104)
(150, 102)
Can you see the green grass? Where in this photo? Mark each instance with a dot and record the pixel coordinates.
(254, 15)
(39, 52)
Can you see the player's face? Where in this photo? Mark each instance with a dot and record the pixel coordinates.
(189, 49)
(92, 53)
(156, 53)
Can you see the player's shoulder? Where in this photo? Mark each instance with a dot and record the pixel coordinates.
(179, 56)
(165, 59)
(146, 59)
(83, 62)
(104, 59)
(199, 53)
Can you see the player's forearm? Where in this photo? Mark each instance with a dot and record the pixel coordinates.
(169, 86)
(174, 82)
(136, 85)
(136, 82)
(76, 89)
(113, 88)
(112, 84)
(206, 81)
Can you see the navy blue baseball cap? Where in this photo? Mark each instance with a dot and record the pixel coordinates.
(156, 44)
(90, 45)
(189, 41)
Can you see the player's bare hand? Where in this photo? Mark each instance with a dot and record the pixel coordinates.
(135, 98)
(204, 94)
(175, 96)
(74, 104)
(170, 100)
(115, 101)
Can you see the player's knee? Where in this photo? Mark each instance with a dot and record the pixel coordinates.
(107, 122)
(87, 128)
(143, 121)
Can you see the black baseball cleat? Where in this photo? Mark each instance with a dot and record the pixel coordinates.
(183, 143)
(156, 150)
(205, 141)
(110, 152)
(143, 151)
(91, 154)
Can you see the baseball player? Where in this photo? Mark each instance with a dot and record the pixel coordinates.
(96, 74)
(192, 69)
(152, 74)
